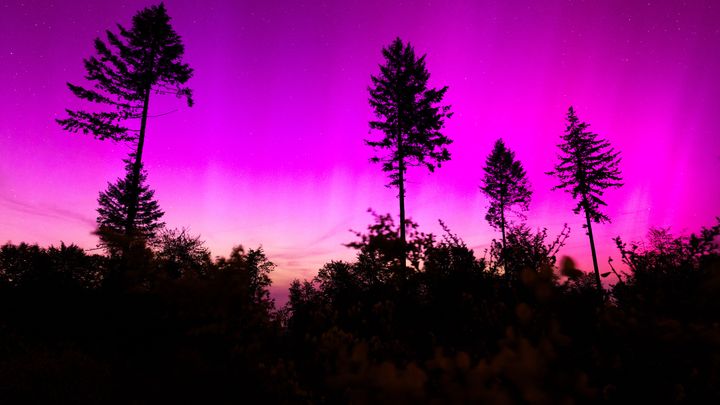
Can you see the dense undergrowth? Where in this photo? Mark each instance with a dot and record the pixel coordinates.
(174, 325)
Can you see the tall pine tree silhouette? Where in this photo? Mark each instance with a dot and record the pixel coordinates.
(411, 119)
(588, 165)
(505, 184)
(128, 69)
(114, 212)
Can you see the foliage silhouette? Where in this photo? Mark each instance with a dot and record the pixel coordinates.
(131, 66)
(588, 165)
(525, 249)
(253, 270)
(672, 276)
(181, 254)
(506, 185)
(177, 339)
(410, 117)
(30, 266)
(452, 335)
(381, 248)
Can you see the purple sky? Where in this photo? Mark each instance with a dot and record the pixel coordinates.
(273, 151)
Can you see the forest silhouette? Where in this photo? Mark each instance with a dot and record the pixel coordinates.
(414, 318)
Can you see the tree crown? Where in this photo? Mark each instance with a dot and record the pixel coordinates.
(587, 166)
(505, 183)
(409, 113)
(145, 58)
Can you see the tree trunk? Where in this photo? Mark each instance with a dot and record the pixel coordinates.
(137, 165)
(592, 249)
(503, 258)
(134, 187)
(401, 187)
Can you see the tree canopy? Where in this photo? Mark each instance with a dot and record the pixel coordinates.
(587, 166)
(127, 68)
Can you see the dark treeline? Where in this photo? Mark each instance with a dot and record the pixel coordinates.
(450, 328)
(414, 318)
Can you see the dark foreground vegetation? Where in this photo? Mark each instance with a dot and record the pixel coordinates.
(448, 327)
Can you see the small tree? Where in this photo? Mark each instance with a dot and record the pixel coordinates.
(506, 185)
(114, 212)
(249, 272)
(527, 249)
(145, 60)
(410, 118)
(180, 254)
(380, 248)
(587, 167)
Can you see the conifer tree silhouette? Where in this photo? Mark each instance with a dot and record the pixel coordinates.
(114, 212)
(588, 165)
(144, 60)
(410, 117)
(505, 184)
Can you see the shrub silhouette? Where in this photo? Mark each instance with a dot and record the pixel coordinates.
(526, 249)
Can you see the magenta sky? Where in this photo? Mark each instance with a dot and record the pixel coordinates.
(273, 151)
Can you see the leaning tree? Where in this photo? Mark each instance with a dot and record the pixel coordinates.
(141, 61)
(506, 185)
(588, 165)
(411, 119)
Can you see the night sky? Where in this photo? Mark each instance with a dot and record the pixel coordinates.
(272, 153)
